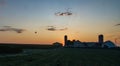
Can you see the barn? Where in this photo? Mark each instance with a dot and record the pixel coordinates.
(108, 44)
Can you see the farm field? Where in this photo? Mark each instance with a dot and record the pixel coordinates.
(63, 57)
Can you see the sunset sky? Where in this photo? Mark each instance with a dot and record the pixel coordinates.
(36, 22)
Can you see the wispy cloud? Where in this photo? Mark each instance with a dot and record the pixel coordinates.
(63, 29)
(117, 24)
(10, 28)
(53, 28)
(63, 13)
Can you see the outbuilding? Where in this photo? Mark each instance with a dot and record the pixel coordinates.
(108, 44)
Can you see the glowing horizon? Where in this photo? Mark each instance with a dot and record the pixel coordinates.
(82, 20)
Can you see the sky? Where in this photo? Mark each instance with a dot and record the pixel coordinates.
(47, 21)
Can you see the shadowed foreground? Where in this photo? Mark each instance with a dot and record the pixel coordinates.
(63, 57)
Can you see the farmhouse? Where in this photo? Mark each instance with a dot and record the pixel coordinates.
(99, 44)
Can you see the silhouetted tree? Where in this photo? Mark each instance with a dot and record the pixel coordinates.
(9, 50)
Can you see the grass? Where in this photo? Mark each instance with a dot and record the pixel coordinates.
(65, 57)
